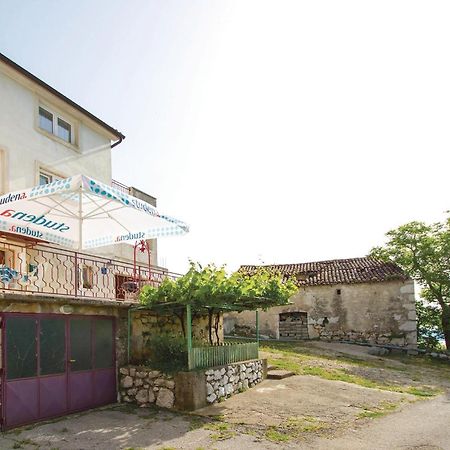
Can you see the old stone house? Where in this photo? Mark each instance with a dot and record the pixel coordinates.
(358, 299)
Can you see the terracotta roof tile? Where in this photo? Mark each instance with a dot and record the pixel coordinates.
(337, 271)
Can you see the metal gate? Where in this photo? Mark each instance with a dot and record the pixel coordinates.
(54, 365)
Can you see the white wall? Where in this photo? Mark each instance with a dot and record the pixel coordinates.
(26, 148)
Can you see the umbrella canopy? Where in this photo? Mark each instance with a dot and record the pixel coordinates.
(82, 213)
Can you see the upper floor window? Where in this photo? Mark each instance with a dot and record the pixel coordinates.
(46, 178)
(54, 124)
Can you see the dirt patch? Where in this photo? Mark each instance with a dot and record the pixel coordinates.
(275, 403)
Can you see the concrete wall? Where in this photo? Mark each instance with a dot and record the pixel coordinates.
(372, 312)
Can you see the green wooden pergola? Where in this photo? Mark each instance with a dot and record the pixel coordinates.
(207, 356)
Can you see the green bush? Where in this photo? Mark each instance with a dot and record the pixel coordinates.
(168, 352)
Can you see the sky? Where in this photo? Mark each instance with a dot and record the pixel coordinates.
(280, 131)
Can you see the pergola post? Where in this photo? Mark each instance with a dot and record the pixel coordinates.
(189, 335)
(257, 326)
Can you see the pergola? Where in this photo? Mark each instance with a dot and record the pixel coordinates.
(201, 356)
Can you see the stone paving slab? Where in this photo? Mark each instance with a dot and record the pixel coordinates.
(279, 374)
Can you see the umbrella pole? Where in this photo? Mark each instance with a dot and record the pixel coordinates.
(80, 219)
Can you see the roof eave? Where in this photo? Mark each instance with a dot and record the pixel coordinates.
(120, 136)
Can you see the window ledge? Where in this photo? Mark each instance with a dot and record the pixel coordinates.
(58, 139)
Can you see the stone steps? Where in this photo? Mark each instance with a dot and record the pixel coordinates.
(278, 374)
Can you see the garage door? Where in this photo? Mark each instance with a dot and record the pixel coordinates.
(55, 365)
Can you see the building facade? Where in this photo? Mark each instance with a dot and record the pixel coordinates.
(63, 314)
(360, 300)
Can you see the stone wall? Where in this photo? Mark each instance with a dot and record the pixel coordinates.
(378, 313)
(144, 386)
(147, 324)
(228, 380)
(188, 390)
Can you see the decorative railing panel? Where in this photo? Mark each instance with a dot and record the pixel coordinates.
(53, 271)
(219, 355)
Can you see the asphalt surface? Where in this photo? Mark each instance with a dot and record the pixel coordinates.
(424, 425)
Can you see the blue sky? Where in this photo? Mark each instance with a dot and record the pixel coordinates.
(281, 131)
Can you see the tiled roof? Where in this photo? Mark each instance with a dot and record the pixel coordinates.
(337, 271)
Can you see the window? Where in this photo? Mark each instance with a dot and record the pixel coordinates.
(51, 123)
(64, 130)
(45, 120)
(47, 177)
(2, 257)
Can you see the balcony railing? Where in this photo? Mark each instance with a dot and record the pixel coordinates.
(120, 186)
(42, 269)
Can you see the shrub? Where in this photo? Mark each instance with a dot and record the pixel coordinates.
(168, 352)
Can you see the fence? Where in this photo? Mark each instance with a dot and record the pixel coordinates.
(219, 355)
(43, 269)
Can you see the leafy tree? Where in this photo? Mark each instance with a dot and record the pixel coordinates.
(429, 327)
(423, 252)
(211, 289)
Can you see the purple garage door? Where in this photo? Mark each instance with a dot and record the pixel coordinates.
(54, 365)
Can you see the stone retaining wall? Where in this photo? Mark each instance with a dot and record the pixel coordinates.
(231, 379)
(145, 386)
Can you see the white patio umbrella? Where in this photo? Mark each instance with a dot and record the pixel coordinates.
(81, 213)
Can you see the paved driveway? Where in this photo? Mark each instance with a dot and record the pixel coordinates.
(325, 413)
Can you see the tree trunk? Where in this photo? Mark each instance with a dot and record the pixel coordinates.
(181, 317)
(216, 328)
(445, 319)
(210, 316)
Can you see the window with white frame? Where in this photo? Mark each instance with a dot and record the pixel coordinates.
(54, 124)
(47, 177)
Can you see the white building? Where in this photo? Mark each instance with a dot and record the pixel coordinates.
(63, 314)
(45, 136)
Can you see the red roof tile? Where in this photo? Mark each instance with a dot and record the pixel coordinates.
(337, 271)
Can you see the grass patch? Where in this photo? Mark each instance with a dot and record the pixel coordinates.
(222, 431)
(217, 426)
(293, 428)
(196, 423)
(424, 391)
(272, 434)
(381, 410)
(300, 366)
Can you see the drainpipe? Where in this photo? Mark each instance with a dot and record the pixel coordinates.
(121, 138)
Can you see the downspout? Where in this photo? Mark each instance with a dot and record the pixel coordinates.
(121, 138)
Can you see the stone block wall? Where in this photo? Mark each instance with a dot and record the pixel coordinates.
(228, 380)
(377, 313)
(145, 386)
(147, 324)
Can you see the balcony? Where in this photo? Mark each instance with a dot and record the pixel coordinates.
(130, 190)
(38, 269)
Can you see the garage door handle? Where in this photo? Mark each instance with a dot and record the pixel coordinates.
(72, 360)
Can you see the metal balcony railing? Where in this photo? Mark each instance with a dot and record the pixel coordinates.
(42, 269)
(120, 186)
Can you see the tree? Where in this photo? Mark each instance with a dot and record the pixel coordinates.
(423, 252)
(211, 289)
(429, 326)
